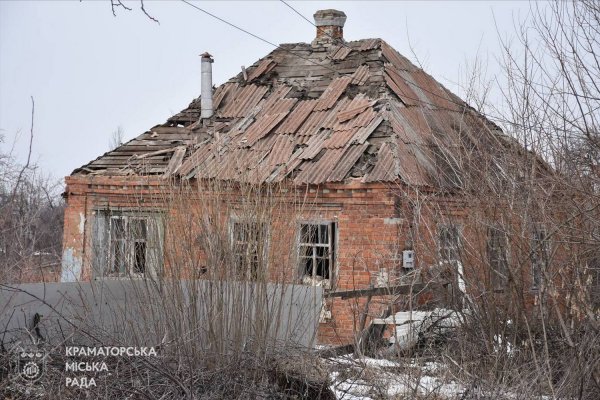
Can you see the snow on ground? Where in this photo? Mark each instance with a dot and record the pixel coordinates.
(370, 379)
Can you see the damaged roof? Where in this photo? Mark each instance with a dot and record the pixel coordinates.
(314, 113)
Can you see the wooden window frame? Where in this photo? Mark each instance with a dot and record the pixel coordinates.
(442, 249)
(251, 270)
(539, 256)
(149, 237)
(128, 243)
(497, 253)
(331, 227)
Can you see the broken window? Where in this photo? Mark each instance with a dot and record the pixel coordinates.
(539, 256)
(449, 242)
(317, 252)
(249, 239)
(126, 244)
(497, 257)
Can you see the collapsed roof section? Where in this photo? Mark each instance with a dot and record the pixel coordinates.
(312, 114)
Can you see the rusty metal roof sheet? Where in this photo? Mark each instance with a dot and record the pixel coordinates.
(318, 120)
(221, 92)
(346, 162)
(329, 116)
(262, 127)
(386, 168)
(355, 107)
(263, 67)
(398, 84)
(340, 138)
(341, 53)
(364, 132)
(297, 117)
(318, 171)
(369, 44)
(332, 93)
(282, 150)
(361, 75)
(238, 102)
(314, 145)
(398, 60)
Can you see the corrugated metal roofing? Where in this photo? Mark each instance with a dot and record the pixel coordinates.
(262, 127)
(238, 102)
(341, 53)
(265, 66)
(318, 171)
(337, 114)
(346, 162)
(332, 93)
(360, 76)
(297, 116)
(369, 44)
(386, 168)
(340, 138)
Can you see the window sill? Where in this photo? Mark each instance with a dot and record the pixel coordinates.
(120, 277)
(324, 283)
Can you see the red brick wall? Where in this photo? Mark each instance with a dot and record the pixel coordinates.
(374, 225)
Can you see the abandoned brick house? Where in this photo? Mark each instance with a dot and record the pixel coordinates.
(356, 125)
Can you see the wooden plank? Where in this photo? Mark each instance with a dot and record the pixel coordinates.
(382, 291)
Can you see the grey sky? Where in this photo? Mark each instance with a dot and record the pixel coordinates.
(90, 72)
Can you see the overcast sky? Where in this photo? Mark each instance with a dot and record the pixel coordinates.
(90, 72)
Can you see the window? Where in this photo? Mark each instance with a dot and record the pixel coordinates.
(448, 242)
(126, 244)
(317, 252)
(449, 250)
(249, 239)
(539, 256)
(497, 257)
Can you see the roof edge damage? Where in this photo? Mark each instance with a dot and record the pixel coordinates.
(329, 111)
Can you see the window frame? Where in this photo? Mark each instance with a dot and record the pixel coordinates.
(332, 246)
(441, 249)
(102, 243)
(498, 262)
(539, 255)
(249, 274)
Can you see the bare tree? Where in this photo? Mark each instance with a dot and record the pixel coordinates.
(31, 213)
(116, 138)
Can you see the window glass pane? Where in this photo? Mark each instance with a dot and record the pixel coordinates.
(323, 268)
(308, 233)
(117, 227)
(249, 243)
(139, 266)
(306, 263)
(322, 252)
(448, 242)
(315, 250)
(323, 234)
(137, 229)
(118, 258)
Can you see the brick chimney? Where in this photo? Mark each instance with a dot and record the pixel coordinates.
(330, 26)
